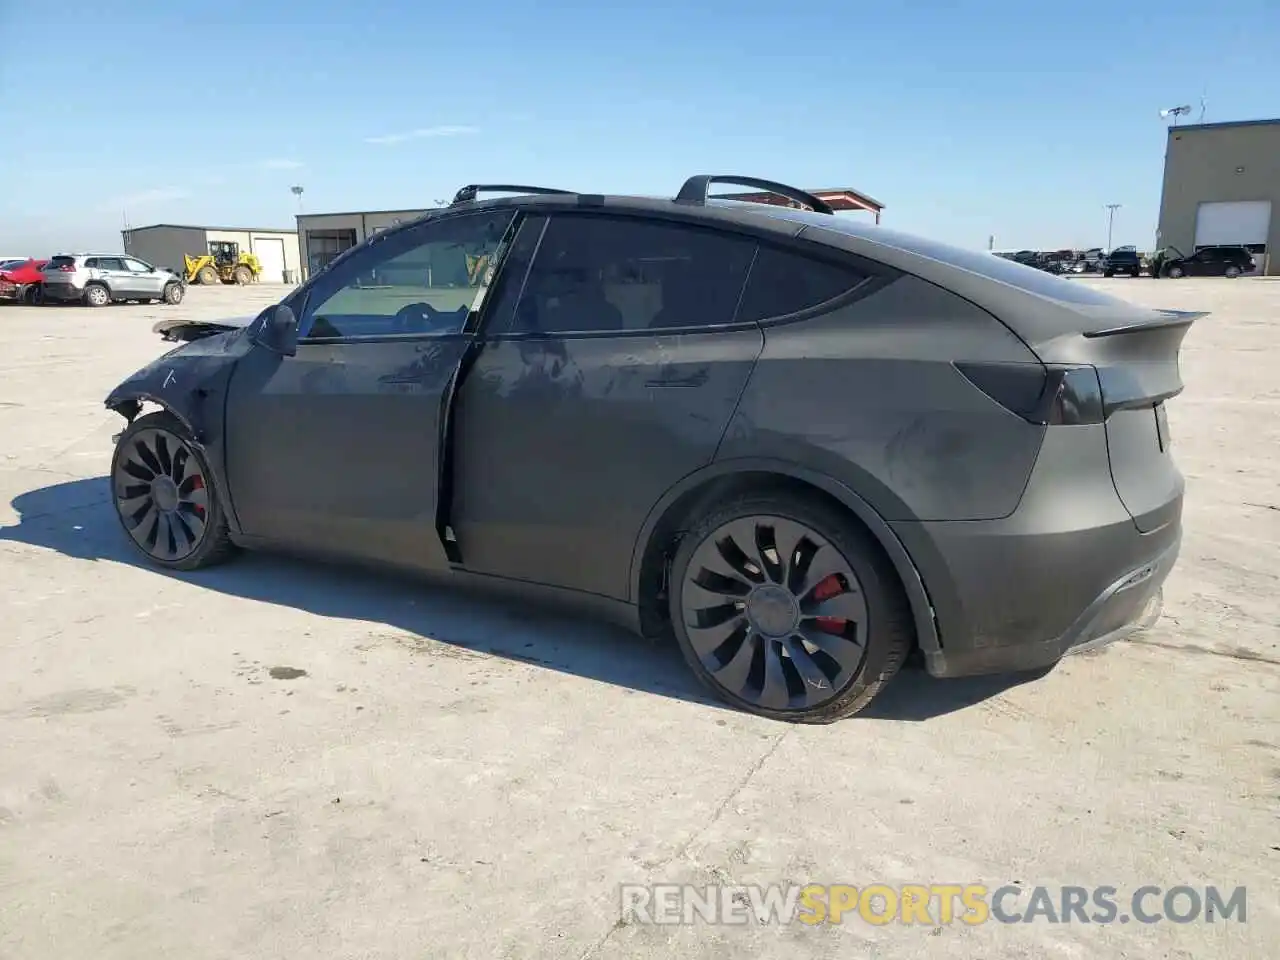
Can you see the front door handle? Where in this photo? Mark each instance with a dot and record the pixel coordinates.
(698, 378)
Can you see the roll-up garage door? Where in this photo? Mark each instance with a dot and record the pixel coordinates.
(270, 251)
(1230, 223)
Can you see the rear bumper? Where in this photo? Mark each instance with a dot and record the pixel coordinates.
(1131, 603)
(1068, 569)
(62, 291)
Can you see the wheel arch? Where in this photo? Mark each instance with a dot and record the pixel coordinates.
(656, 543)
(128, 403)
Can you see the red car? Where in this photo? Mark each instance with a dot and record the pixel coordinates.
(20, 279)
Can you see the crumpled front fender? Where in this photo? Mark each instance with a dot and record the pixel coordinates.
(190, 382)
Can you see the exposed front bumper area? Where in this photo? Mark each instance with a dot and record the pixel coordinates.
(1132, 603)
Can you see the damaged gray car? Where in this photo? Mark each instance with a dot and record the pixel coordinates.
(802, 445)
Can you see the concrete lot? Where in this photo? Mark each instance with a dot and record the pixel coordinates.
(451, 778)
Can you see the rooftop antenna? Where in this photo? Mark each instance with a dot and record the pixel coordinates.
(1176, 112)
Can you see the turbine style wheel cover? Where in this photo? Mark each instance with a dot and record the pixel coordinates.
(161, 494)
(775, 613)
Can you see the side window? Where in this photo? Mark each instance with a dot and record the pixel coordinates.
(110, 263)
(784, 282)
(136, 266)
(595, 274)
(421, 280)
(91, 263)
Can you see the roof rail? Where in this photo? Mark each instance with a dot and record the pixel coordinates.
(468, 193)
(695, 190)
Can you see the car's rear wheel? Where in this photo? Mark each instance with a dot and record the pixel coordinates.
(164, 497)
(1232, 272)
(96, 295)
(173, 294)
(1175, 272)
(787, 609)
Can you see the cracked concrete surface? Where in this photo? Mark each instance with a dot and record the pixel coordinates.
(431, 775)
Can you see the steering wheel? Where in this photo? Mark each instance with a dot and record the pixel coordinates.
(416, 318)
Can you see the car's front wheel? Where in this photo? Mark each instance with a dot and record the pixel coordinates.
(173, 294)
(1175, 272)
(787, 609)
(1232, 272)
(163, 494)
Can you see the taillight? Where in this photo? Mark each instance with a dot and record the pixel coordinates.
(1051, 394)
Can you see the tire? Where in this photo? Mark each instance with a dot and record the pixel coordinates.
(1231, 272)
(854, 659)
(192, 534)
(1175, 272)
(96, 295)
(1108, 273)
(34, 295)
(242, 275)
(207, 276)
(173, 294)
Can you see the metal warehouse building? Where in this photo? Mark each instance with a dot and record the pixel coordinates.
(322, 236)
(163, 245)
(1222, 186)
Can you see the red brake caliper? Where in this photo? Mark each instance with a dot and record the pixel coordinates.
(828, 587)
(197, 483)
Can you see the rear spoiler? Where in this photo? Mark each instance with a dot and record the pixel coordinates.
(1167, 320)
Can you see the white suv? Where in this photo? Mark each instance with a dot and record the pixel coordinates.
(98, 279)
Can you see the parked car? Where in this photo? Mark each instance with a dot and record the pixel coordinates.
(98, 279)
(20, 279)
(802, 445)
(1207, 262)
(1121, 260)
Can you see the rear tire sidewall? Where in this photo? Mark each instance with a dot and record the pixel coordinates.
(215, 526)
(883, 594)
(96, 295)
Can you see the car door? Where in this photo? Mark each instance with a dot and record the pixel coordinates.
(336, 449)
(145, 282)
(608, 372)
(111, 271)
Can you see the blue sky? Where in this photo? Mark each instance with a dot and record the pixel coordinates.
(1017, 119)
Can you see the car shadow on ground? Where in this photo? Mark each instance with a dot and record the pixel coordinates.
(76, 519)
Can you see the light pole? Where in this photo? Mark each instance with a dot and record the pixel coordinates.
(1111, 215)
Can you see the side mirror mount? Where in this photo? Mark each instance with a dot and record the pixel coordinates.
(278, 331)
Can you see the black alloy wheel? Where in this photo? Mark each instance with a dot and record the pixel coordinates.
(789, 612)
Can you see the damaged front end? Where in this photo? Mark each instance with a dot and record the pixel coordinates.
(190, 380)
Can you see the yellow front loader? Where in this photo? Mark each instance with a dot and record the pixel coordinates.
(224, 263)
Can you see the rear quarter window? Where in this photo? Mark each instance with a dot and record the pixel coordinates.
(784, 282)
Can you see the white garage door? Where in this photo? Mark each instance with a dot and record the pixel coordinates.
(1236, 222)
(270, 251)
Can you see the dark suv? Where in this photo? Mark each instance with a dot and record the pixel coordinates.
(1121, 260)
(803, 445)
(1207, 262)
